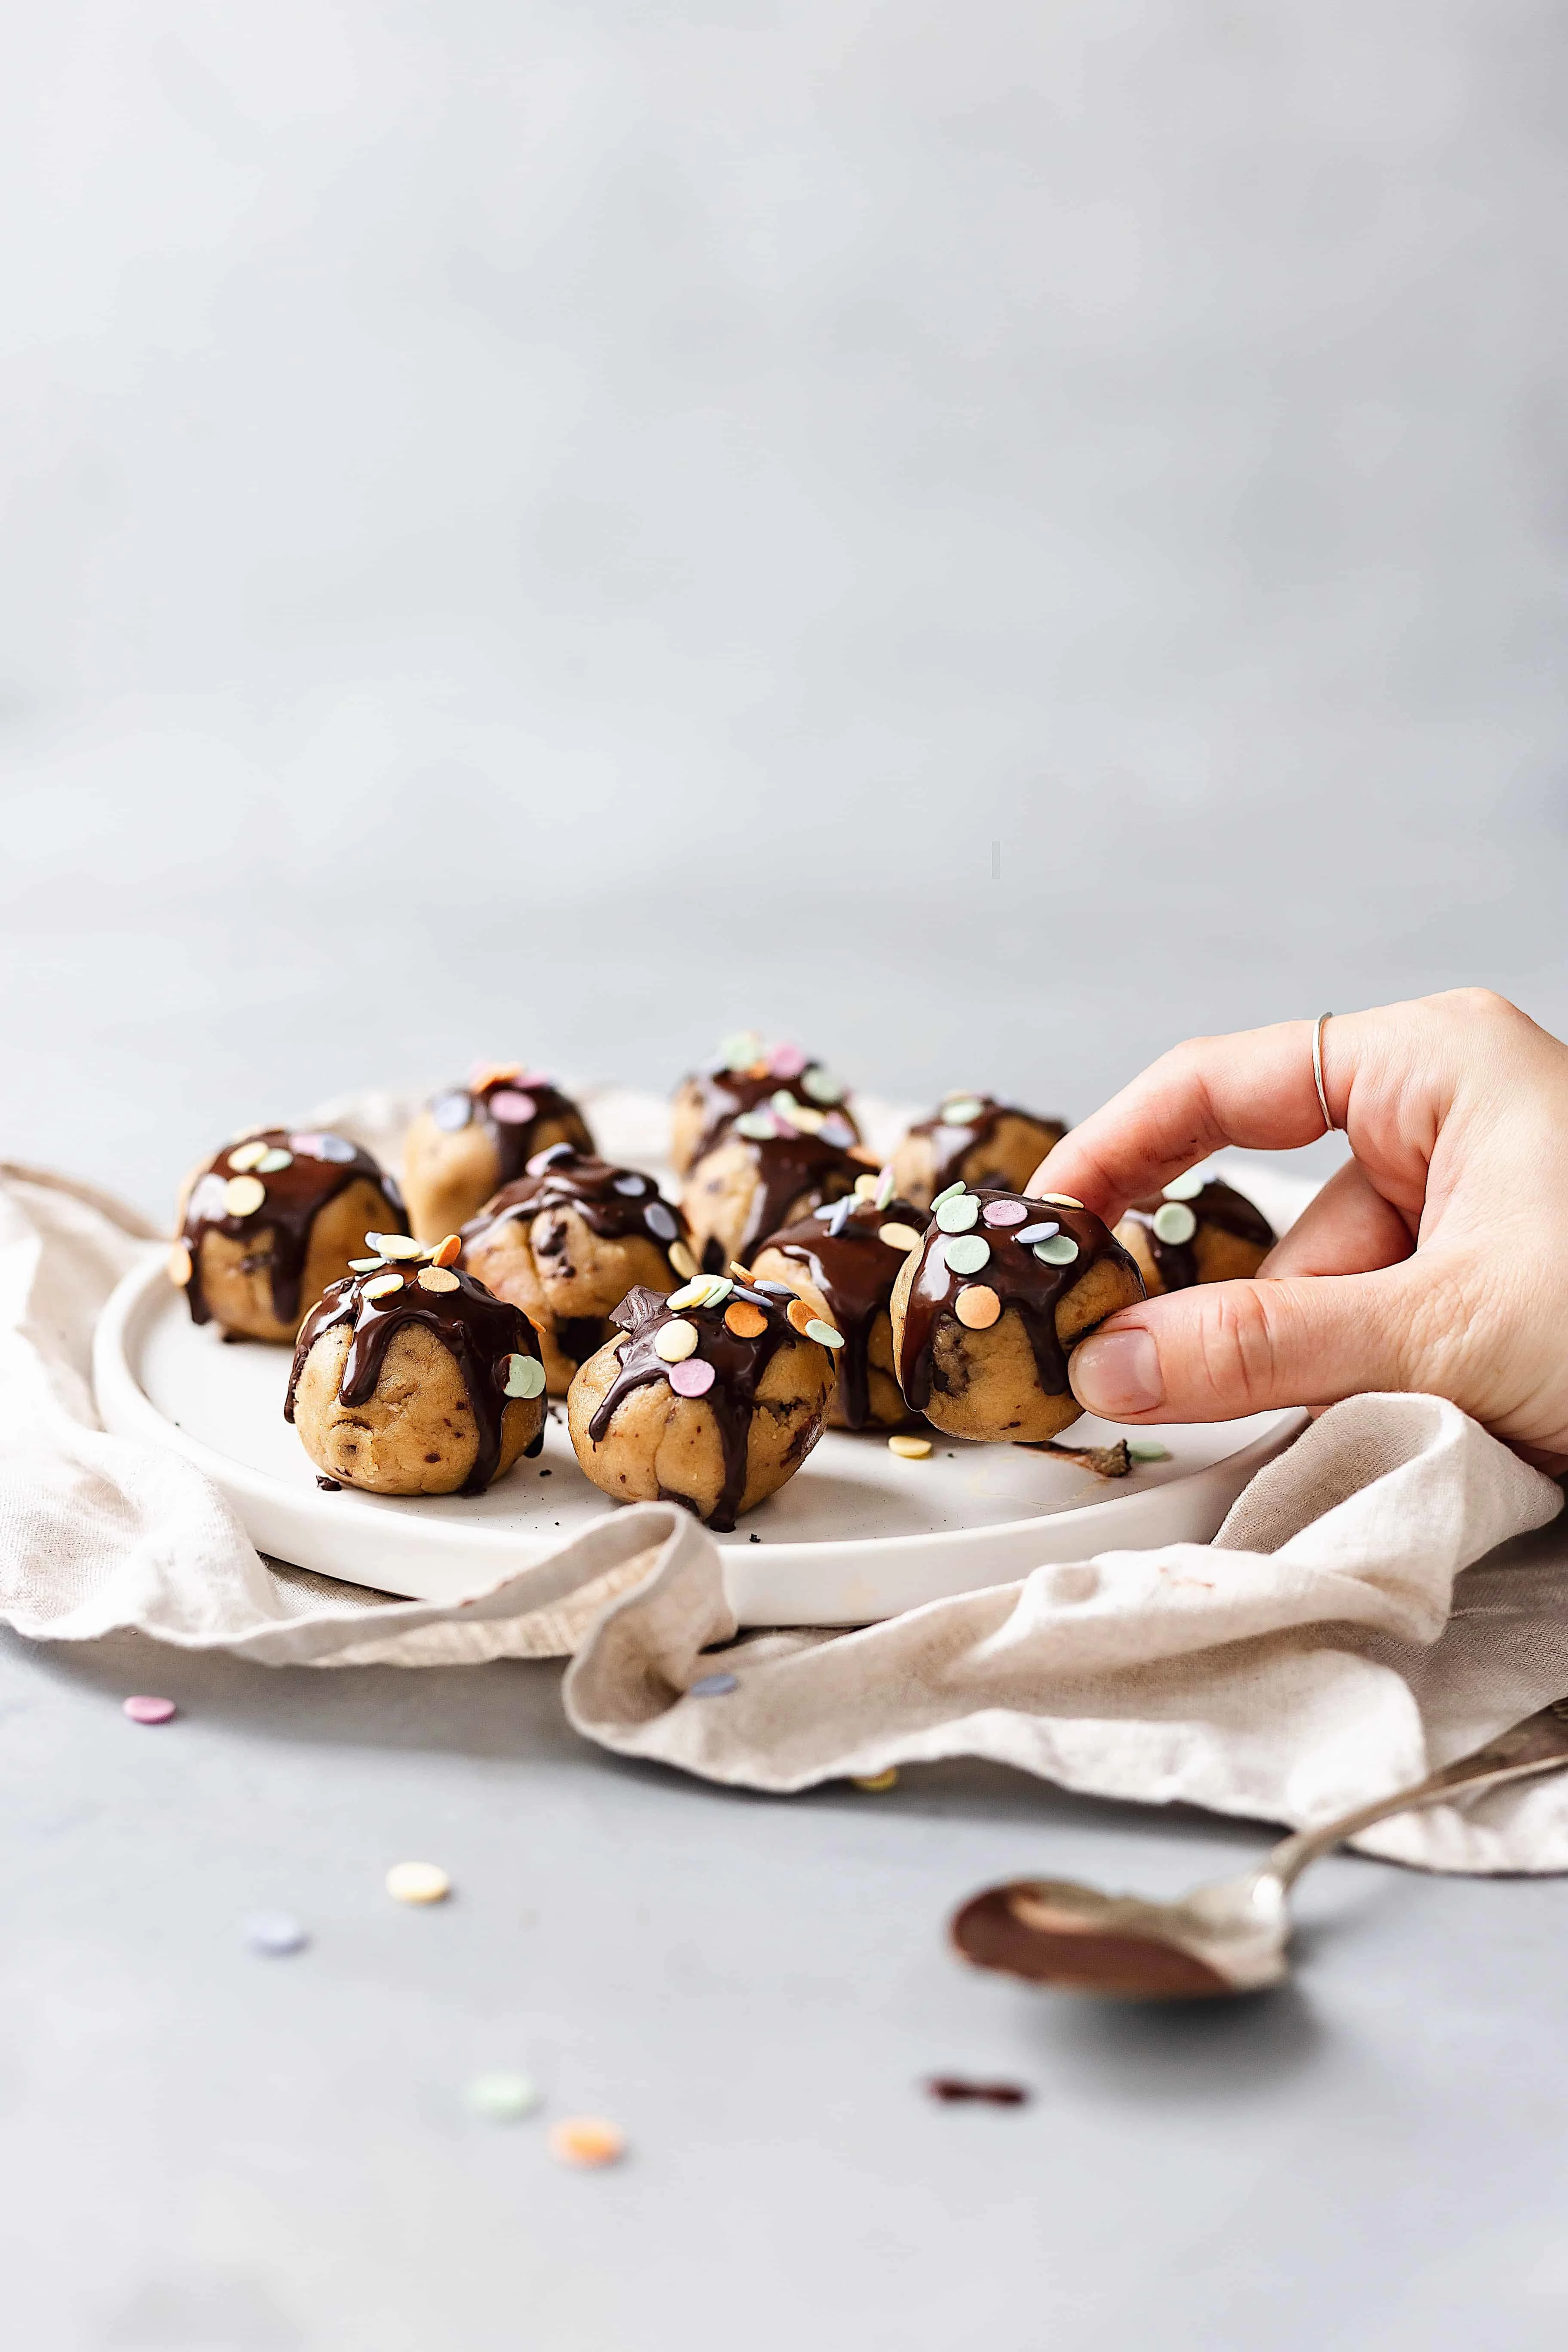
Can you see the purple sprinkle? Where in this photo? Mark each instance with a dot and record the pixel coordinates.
(1042, 1232)
(712, 1686)
(842, 1212)
(633, 1187)
(776, 1289)
(148, 1710)
(452, 1111)
(543, 1160)
(838, 1130)
(1004, 1212)
(691, 1379)
(660, 1219)
(275, 1934)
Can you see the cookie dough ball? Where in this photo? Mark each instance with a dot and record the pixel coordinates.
(747, 1076)
(270, 1221)
(764, 1171)
(713, 1398)
(566, 1243)
(975, 1141)
(987, 1310)
(411, 1378)
(1197, 1230)
(466, 1143)
(844, 1260)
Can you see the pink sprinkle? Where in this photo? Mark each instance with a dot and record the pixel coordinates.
(1004, 1212)
(787, 1062)
(514, 1108)
(148, 1710)
(691, 1379)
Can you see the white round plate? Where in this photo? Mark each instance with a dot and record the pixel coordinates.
(858, 1534)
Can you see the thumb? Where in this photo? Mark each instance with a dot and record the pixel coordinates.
(1230, 1348)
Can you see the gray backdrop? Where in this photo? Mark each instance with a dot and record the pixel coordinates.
(990, 535)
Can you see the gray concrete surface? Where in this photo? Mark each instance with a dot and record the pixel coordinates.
(992, 537)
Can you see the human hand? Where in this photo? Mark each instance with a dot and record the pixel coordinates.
(1436, 1259)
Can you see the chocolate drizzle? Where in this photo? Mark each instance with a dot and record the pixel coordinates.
(738, 1365)
(1019, 1279)
(855, 1272)
(789, 1169)
(952, 1141)
(511, 1106)
(600, 1194)
(322, 1166)
(725, 1094)
(1218, 1204)
(478, 1329)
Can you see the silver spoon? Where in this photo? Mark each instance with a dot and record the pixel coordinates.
(1229, 1938)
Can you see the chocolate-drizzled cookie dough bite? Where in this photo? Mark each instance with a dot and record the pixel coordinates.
(269, 1220)
(470, 1141)
(745, 1075)
(843, 1261)
(411, 1378)
(713, 1398)
(976, 1141)
(987, 1310)
(766, 1170)
(566, 1243)
(1199, 1229)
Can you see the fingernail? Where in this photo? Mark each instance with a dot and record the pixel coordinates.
(1117, 1373)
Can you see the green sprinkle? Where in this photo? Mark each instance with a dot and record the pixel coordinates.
(1187, 1187)
(1148, 1449)
(967, 1254)
(950, 1193)
(1175, 1222)
(957, 1216)
(826, 1334)
(502, 2098)
(524, 1376)
(1060, 1250)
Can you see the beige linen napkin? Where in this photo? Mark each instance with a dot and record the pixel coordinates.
(1318, 1652)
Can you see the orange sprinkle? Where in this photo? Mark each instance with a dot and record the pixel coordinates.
(977, 1307)
(756, 1070)
(586, 2141)
(867, 1158)
(448, 1252)
(746, 1321)
(800, 1315)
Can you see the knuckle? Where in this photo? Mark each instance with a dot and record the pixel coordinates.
(1240, 1341)
(1481, 1004)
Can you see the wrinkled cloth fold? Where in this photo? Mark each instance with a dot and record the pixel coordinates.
(1375, 1603)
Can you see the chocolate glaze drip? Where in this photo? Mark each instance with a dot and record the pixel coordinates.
(725, 1094)
(738, 1367)
(855, 1272)
(951, 1145)
(1018, 1278)
(296, 1195)
(1217, 1204)
(789, 1168)
(474, 1326)
(514, 1137)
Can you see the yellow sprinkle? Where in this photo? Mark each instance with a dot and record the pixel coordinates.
(383, 1286)
(180, 1267)
(898, 1237)
(586, 2141)
(243, 1160)
(417, 1881)
(1060, 1200)
(243, 1195)
(911, 1449)
(874, 1783)
(435, 1278)
(676, 1342)
(682, 1261)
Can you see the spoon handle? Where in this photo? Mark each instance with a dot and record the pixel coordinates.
(1539, 1744)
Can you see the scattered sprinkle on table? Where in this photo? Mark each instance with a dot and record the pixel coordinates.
(952, 2088)
(502, 2098)
(275, 1934)
(586, 2141)
(417, 1881)
(911, 1449)
(712, 1686)
(1148, 1449)
(876, 1783)
(145, 1709)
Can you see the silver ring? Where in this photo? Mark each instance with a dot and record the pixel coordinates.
(1329, 1128)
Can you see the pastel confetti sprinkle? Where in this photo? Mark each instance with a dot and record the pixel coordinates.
(712, 1686)
(586, 2142)
(451, 1112)
(396, 1246)
(632, 1187)
(1044, 1231)
(799, 1316)
(275, 1934)
(702, 1290)
(502, 2098)
(661, 1220)
(681, 1259)
(243, 1195)
(144, 1708)
(977, 1308)
(876, 1783)
(524, 1376)
(383, 1286)
(1059, 1252)
(866, 1187)
(1061, 1200)
(1180, 1188)
(1004, 1212)
(885, 1189)
(746, 1322)
(898, 1237)
(417, 1881)
(181, 1265)
(949, 1193)
(272, 1163)
(787, 1062)
(676, 1342)
(962, 1110)
(909, 1449)
(1148, 1449)
(691, 1376)
(448, 1252)
(1175, 1222)
(957, 1215)
(435, 1278)
(740, 1049)
(838, 1130)
(967, 1253)
(513, 1108)
(757, 1126)
(826, 1335)
(243, 1160)
(821, 1087)
(336, 1148)
(364, 1265)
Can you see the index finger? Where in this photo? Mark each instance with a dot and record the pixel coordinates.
(1253, 1088)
